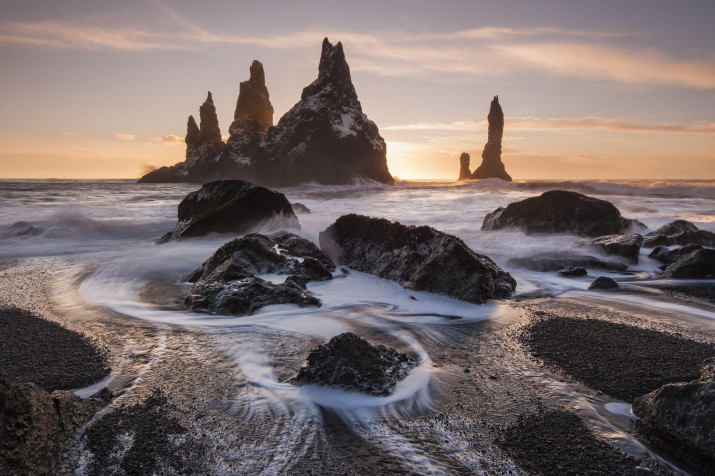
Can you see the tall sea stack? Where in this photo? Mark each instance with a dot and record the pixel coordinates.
(464, 173)
(492, 166)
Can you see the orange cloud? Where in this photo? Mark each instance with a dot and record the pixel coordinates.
(169, 139)
(128, 137)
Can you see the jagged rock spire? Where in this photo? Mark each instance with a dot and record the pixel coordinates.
(209, 130)
(192, 132)
(333, 70)
(492, 166)
(496, 122)
(254, 102)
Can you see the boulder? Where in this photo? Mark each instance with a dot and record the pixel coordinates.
(605, 283)
(697, 264)
(573, 272)
(325, 138)
(419, 258)
(492, 166)
(299, 208)
(682, 416)
(560, 211)
(203, 149)
(464, 172)
(227, 283)
(352, 363)
(668, 255)
(549, 262)
(229, 206)
(679, 232)
(628, 246)
(34, 425)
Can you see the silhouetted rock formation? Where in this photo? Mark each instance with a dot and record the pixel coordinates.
(464, 172)
(627, 246)
(560, 211)
(325, 137)
(203, 148)
(697, 264)
(668, 255)
(679, 232)
(230, 206)
(352, 363)
(419, 258)
(492, 166)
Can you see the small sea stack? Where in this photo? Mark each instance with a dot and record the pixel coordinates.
(492, 166)
(464, 173)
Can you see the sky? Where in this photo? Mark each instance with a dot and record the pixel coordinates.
(590, 90)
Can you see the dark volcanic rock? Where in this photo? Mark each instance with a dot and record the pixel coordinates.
(325, 137)
(681, 417)
(560, 211)
(203, 148)
(492, 166)
(34, 425)
(229, 206)
(679, 232)
(573, 272)
(604, 282)
(627, 246)
(300, 208)
(419, 258)
(227, 284)
(464, 172)
(352, 363)
(668, 255)
(697, 264)
(547, 262)
(246, 296)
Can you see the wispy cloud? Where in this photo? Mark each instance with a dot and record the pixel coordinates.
(170, 139)
(456, 56)
(128, 137)
(564, 124)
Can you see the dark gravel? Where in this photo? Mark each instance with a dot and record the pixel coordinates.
(703, 294)
(557, 442)
(36, 350)
(620, 360)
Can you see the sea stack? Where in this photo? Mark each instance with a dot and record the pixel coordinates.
(464, 172)
(492, 166)
(326, 138)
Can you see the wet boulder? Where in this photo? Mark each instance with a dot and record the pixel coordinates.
(352, 363)
(549, 262)
(697, 264)
(668, 255)
(34, 425)
(627, 246)
(300, 208)
(230, 206)
(573, 272)
(681, 417)
(416, 257)
(604, 283)
(560, 211)
(679, 232)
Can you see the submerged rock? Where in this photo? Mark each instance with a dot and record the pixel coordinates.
(679, 232)
(492, 166)
(627, 246)
(573, 272)
(604, 282)
(548, 262)
(419, 258)
(560, 211)
(227, 282)
(668, 255)
(682, 416)
(325, 137)
(300, 208)
(464, 172)
(203, 148)
(229, 206)
(34, 425)
(352, 363)
(697, 264)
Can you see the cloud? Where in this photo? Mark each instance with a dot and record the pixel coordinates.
(564, 124)
(169, 139)
(128, 137)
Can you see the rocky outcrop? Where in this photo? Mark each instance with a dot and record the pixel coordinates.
(203, 149)
(492, 166)
(560, 211)
(668, 255)
(34, 425)
(627, 246)
(681, 417)
(679, 232)
(419, 258)
(352, 363)
(325, 137)
(228, 282)
(230, 206)
(464, 172)
(697, 264)
(573, 272)
(547, 262)
(604, 282)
